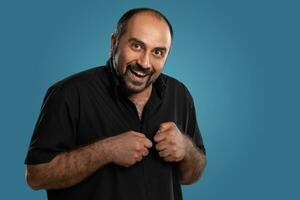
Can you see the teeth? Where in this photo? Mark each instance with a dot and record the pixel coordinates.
(139, 73)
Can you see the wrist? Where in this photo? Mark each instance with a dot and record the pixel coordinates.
(187, 147)
(107, 149)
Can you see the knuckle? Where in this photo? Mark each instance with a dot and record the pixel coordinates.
(172, 134)
(174, 149)
(130, 133)
(129, 163)
(173, 141)
(137, 146)
(169, 140)
(145, 151)
(136, 156)
(132, 163)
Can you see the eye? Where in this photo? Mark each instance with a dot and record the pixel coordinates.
(158, 52)
(136, 46)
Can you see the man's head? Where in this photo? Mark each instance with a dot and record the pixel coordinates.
(140, 47)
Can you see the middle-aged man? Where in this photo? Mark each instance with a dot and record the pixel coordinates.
(120, 131)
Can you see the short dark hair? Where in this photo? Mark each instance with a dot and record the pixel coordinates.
(123, 21)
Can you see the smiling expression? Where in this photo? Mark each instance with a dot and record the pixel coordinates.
(140, 54)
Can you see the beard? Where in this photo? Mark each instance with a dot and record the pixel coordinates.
(135, 78)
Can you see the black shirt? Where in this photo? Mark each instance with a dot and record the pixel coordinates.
(89, 106)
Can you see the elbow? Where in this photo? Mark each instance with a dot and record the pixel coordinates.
(188, 180)
(32, 179)
(194, 175)
(32, 183)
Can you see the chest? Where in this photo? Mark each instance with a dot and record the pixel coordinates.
(105, 117)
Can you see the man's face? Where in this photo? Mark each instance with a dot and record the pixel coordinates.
(141, 52)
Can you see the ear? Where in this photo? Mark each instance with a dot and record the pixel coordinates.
(114, 43)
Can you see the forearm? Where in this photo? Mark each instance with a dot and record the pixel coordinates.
(68, 168)
(192, 165)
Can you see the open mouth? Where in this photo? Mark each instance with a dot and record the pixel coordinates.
(138, 73)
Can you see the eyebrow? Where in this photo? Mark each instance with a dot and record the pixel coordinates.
(161, 49)
(143, 44)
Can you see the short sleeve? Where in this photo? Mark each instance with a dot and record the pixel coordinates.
(55, 130)
(192, 127)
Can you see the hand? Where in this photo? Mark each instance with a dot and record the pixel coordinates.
(171, 143)
(127, 148)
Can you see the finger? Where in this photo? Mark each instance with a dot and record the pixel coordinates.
(160, 136)
(145, 152)
(147, 143)
(142, 135)
(169, 158)
(139, 158)
(164, 153)
(161, 146)
(166, 125)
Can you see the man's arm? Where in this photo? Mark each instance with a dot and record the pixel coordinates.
(70, 168)
(173, 146)
(192, 165)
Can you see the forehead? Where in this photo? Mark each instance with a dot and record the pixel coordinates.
(149, 28)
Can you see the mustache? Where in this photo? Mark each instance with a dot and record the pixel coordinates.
(139, 68)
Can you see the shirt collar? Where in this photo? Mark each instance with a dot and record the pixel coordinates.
(159, 84)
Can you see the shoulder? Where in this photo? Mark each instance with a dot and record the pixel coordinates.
(173, 85)
(82, 77)
(174, 91)
(81, 80)
(75, 86)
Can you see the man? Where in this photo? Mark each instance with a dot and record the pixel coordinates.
(121, 131)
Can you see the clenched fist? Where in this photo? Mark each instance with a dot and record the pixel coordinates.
(171, 143)
(127, 148)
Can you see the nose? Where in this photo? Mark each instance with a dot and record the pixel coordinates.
(144, 60)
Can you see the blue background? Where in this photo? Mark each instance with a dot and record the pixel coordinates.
(240, 60)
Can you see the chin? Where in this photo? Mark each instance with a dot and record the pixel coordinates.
(131, 88)
(135, 89)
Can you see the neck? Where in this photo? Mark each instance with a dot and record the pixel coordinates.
(140, 99)
(141, 96)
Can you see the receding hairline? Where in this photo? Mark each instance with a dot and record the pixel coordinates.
(149, 13)
(127, 17)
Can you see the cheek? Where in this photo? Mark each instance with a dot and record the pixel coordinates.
(157, 69)
(158, 65)
(126, 56)
(121, 60)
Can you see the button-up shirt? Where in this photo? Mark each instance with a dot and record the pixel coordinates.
(90, 106)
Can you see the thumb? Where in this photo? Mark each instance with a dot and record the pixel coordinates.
(147, 143)
(165, 126)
